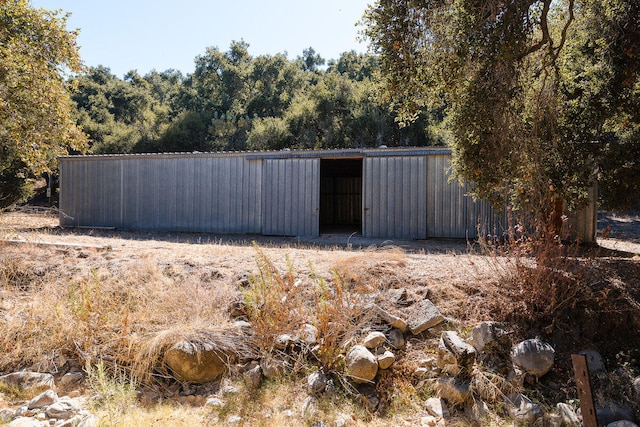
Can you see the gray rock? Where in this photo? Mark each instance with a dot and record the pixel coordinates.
(62, 409)
(422, 316)
(214, 401)
(252, 377)
(569, 416)
(465, 354)
(453, 390)
(272, 368)
(595, 363)
(27, 422)
(283, 342)
(28, 380)
(89, 421)
(43, 399)
(6, 415)
(437, 407)
(386, 359)
(309, 334)
(362, 365)
(374, 340)
(316, 383)
(552, 420)
(391, 319)
(477, 410)
(490, 338)
(522, 409)
(636, 386)
(614, 413)
(622, 423)
(71, 379)
(234, 419)
(309, 408)
(195, 363)
(71, 422)
(396, 339)
(534, 356)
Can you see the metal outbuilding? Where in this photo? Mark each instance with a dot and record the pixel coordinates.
(399, 193)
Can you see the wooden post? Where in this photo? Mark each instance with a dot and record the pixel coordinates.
(583, 384)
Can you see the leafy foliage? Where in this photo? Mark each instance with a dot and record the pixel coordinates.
(533, 89)
(36, 125)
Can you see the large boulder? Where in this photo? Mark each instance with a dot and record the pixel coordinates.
(28, 380)
(362, 365)
(196, 363)
(534, 356)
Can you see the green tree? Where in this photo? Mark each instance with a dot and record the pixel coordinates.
(36, 55)
(532, 88)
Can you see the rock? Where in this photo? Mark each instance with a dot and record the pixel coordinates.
(446, 360)
(374, 340)
(390, 318)
(309, 334)
(422, 316)
(362, 365)
(316, 383)
(452, 389)
(569, 416)
(214, 401)
(71, 380)
(196, 363)
(28, 380)
(283, 341)
(234, 419)
(465, 354)
(622, 423)
(396, 339)
(595, 363)
(27, 422)
(490, 338)
(71, 422)
(6, 415)
(522, 409)
(90, 421)
(553, 420)
(534, 356)
(386, 359)
(272, 368)
(614, 413)
(62, 409)
(309, 408)
(43, 399)
(437, 407)
(252, 377)
(636, 386)
(477, 410)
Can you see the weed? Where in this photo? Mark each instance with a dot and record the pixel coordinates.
(114, 393)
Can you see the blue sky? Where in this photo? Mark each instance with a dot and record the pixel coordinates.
(143, 34)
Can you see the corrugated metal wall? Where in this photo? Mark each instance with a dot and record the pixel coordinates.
(291, 197)
(394, 197)
(211, 194)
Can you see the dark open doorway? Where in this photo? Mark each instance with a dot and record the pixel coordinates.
(341, 196)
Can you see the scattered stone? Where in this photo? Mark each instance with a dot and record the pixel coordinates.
(437, 407)
(237, 309)
(196, 363)
(28, 380)
(42, 400)
(283, 342)
(553, 420)
(62, 409)
(272, 368)
(489, 337)
(386, 359)
(71, 422)
(595, 363)
(27, 422)
(422, 316)
(316, 383)
(477, 410)
(452, 389)
(636, 386)
(6, 415)
(522, 409)
(390, 318)
(234, 419)
(252, 377)
(422, 373)
(465, 354)
(71, 379)
(535, 356)
(362, 365)
(229, 389)
(309, 408)
(241, 324)
(569, 416)
(90, 421)
(214, 401)
(613, 413)
(374, 340)
(309, 334)
(622, 423)
(396, 339)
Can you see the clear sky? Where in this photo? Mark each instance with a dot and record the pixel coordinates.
(160, 34)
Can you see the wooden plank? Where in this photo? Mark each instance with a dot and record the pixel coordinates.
(62, 245)
(583, 386)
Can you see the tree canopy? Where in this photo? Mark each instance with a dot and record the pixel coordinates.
(537, 93)
(36, 55)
